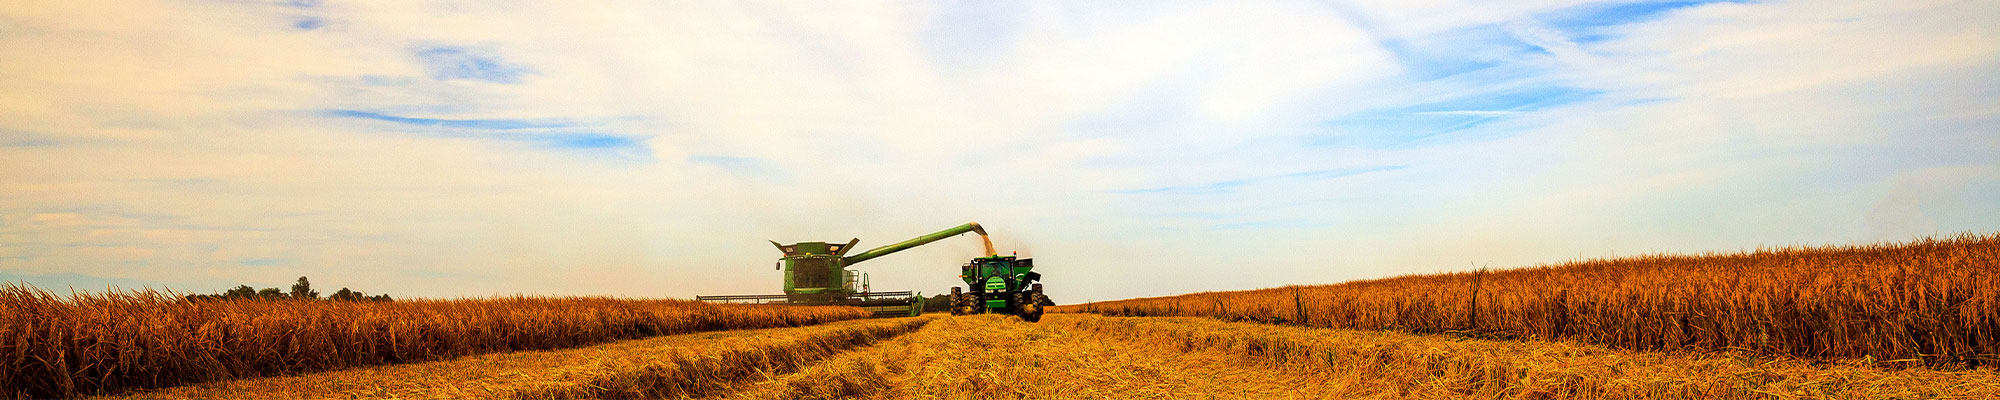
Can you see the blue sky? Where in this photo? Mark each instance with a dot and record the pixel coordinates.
(649, 149)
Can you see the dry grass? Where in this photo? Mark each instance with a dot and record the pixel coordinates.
(103, 343)
(1375, 364)
(1933, 302)
(676, 366)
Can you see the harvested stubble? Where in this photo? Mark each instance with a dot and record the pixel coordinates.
(678, 366)
(995, 356)
(104, 343)
(1369, 364)
(1931, 301)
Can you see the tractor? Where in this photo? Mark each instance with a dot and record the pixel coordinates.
(1000, 285)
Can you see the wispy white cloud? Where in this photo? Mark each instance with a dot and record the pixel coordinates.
(642, 148)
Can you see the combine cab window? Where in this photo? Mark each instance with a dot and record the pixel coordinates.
(812, 272)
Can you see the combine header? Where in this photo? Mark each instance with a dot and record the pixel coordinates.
(816, 274)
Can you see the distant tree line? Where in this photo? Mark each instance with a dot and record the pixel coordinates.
(938, 303)
(300, 291)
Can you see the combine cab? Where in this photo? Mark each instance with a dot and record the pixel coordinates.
(1001, 285)
(816, 274)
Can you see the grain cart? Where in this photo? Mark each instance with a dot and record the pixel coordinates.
(1002, 285)
(816, 274)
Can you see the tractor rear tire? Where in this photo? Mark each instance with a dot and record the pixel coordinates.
(966, 304)
(1030, 306)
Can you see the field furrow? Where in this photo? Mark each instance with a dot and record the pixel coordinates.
(687, 365)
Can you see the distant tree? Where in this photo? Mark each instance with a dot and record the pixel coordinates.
(346, 294)
(271, 293)
(241, 292)
(303, 290)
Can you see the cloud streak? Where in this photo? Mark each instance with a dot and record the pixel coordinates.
(496, 124)
(458, 62)
(1233, 184)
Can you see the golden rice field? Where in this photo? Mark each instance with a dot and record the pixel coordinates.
(66, 346)
(1909, 320)
(1083, 356)
(1927, 302)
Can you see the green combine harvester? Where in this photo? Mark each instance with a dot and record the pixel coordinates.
(816, 274)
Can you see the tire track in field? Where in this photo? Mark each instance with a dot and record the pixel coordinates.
(691, 365)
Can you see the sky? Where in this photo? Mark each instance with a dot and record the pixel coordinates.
(650, 149)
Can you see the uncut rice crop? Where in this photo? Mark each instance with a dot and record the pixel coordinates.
(85, 344)
(1930, 301)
